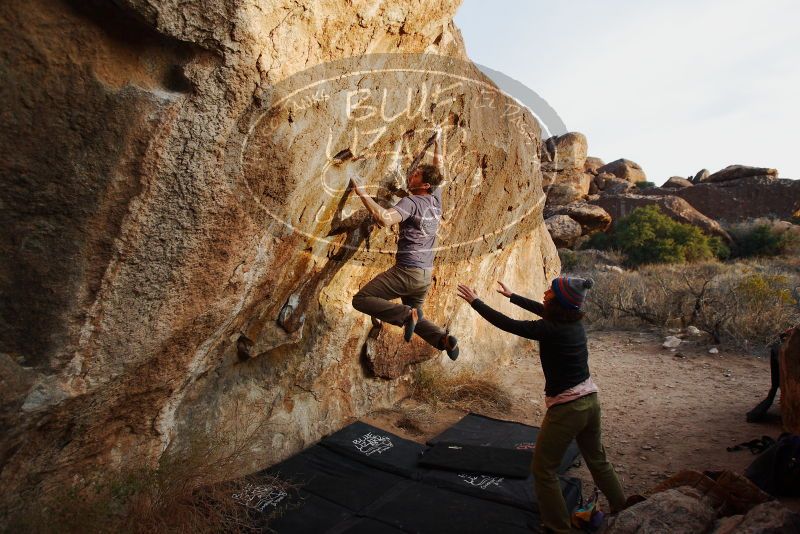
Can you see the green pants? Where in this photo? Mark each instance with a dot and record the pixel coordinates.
(579, 420)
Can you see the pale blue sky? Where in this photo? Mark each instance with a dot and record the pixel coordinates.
(675, 86)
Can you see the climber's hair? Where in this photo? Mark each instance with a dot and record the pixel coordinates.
(431, 175)
(556, 312)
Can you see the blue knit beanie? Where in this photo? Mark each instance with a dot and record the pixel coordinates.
(571, 291)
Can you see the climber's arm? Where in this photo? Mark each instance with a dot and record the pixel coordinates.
(438, 158)
(382, 216)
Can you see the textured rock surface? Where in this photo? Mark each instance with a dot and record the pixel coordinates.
(734, 172)
(563, 163)
(625, 169)
(566, 152)
(161, 216)
(675, 511)
(767, 518)
(676, 182)
(561, 194)
(564, 230)
(790, 382)
(741, 199)
(619, 206)
(591, 218)
(592, 164)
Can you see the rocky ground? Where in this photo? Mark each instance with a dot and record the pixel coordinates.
(663, 411)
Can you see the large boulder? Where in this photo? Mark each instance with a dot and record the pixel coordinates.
(179, 253)
(741, 199)
(592, 218)
(790, 381)
(675, 511)
(734, 172)
(676, 182)
(625, 169)
(619, 206)
(701, 175)
(563, 162)
(566, 152)
(592, 164)
(615, 186)
(560, 194)
(563, 230)
(767, 518)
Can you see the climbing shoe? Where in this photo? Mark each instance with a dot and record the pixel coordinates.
(450, 344)
(410, 325)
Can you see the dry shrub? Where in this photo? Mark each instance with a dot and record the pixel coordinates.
(416, 419)
(466, 389)
(185, 492)
(764, 237)
(743, 302)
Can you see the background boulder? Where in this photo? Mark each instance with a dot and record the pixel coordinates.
(625, 169)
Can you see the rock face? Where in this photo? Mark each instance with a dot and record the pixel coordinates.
(619, 206)
(676, 182)
(561, 194)
(741, 199)
(767, 518)
(592, 164)
(734, 172)
(563, 162)
(592, 218)
(567, 151)
(625, 169)
(790, 382)
(169, 205)
(564, 231)
(676, 510)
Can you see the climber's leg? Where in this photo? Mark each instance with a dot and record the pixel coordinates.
(418, 290)
(374, 298)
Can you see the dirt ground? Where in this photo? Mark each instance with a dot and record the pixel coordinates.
(663, 411)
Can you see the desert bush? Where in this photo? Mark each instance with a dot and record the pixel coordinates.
(186, 491)
(764, 237)
(466, 389)
(743, 302)
(648, 236)
(645, 185)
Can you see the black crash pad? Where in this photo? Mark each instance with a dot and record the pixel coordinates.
(475, 429)
(498, 461)
(378, 448)
(418, 507)
(335, 477)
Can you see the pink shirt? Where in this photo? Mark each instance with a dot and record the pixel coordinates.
(587, 387)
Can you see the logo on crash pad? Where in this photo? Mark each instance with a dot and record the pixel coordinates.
(370, 444)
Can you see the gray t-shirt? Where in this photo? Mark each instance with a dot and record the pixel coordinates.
(421, 216)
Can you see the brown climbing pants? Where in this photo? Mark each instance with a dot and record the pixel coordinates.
(410, 285)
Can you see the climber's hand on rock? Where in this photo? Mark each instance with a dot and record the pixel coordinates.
(357, 183)
(504, 289)
(438, 133)
(466, 293)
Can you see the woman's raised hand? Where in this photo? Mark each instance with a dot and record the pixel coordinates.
(466, 293)
(504, 289)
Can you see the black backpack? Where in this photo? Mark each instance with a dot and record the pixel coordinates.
(777, 469)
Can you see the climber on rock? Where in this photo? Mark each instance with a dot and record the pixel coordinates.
(418, 215)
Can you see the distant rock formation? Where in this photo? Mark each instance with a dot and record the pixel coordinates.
(619, 206)
(740, 199)
(625, 169)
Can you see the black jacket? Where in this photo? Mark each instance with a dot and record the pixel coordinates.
(562, 346)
